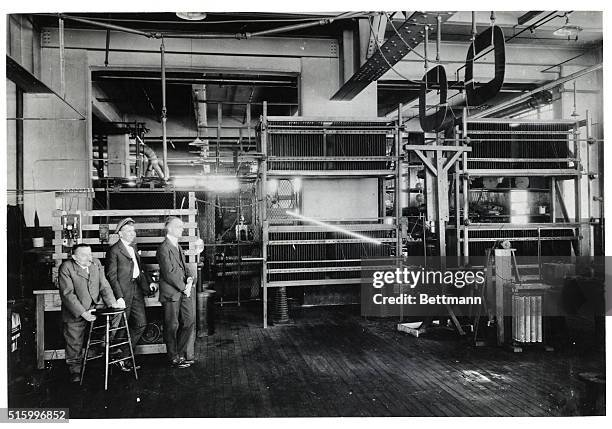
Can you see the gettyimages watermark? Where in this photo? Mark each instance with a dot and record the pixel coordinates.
(427, 286)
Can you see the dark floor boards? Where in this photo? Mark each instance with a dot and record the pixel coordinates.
(329, 362)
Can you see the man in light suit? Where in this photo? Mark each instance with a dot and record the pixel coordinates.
(130, 284)
(175, 295)
(83, 289)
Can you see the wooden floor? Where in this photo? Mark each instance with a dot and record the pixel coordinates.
(329, 362)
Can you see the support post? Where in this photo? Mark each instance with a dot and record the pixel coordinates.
(457, 198)
(163, 111)
(466, 192)
(264, 216)
(398, 190)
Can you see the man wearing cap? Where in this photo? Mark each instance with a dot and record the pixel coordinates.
(83, 289)
(130, 283)
(175, 285)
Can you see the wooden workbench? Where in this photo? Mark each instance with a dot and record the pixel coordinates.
(49, 300)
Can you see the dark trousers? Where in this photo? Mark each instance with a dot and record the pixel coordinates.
(177, 337)
(137, 320)
(74, 334)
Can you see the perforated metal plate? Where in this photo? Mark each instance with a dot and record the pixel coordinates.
(412, 33)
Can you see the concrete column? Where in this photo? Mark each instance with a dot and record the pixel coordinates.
(319, 81)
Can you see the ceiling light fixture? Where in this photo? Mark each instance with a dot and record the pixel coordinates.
(191, 16)
(568, 30)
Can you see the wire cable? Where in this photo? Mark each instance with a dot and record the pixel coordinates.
(411, 49)
(385, 58)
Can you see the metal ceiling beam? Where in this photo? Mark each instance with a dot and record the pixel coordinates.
(411, 34)
(526, 17)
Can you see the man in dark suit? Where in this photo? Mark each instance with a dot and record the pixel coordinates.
(175, 295)
(83, 289)
(130, 284)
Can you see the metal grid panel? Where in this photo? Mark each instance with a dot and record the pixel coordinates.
(315, 146)
(535, 143)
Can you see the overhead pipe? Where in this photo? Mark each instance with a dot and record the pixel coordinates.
(111, 26)
(544, 87)
(246, 35)
(540, 99)
(164, 115)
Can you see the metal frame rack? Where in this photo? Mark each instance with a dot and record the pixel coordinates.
(510, 148)
(297, 253)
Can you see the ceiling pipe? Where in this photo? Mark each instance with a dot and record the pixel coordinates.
(111, 26)
(536, 101)
(246, 35)
(544, 87)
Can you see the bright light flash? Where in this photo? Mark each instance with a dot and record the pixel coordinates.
(209, 183)
(334, 227)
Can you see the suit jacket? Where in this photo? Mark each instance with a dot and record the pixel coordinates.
(81, 291)
(173, 272)
(119, 271)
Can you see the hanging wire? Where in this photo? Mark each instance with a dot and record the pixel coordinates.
(406, 43)
(385, 58)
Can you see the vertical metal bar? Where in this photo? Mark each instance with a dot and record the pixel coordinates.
(425, 43)
(457, 198)
(218, 146)
(248, 119)
(106, 350)
(264, 217)
(19, 147)
(62, 59)
(464, 172)
(540, 253)
(474, 30)
(578, 187)
(107, 47)
(589, 136)
(84, 361)
(438, 36)
(553, 200)
(129, 339)
(398, 190)
(239, 216)
(162, 49)
(442, 206)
